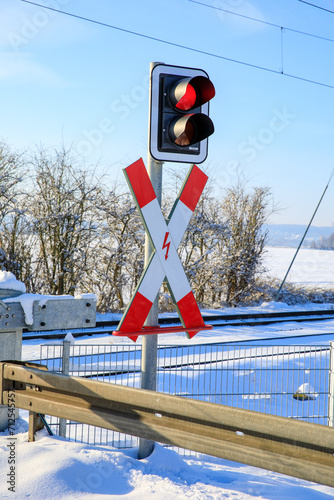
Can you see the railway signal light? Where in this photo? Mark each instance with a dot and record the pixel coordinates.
(179, 116)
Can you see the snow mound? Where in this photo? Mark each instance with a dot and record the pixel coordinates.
(69, 338)
(274, 305)
(8, 280)
(305, 392)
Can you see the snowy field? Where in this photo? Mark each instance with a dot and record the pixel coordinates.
(52, 468)
(311, 267)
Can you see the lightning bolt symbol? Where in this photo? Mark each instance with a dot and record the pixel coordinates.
(166, 245)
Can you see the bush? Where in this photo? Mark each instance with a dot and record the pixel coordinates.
(292, 294)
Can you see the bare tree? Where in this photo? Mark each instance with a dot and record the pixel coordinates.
(62, 214)
(199, 247)
(199, 244)
(223, 245)
(67, 232)
(19, 242)
(14, 226)
(243, 244)
(119, 249)
(10, 178)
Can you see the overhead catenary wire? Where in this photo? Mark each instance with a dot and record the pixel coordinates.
(304, 235)
(185, 47)
(317, 6)
(267, 23)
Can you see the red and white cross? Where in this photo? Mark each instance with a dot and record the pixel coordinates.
(165, 262)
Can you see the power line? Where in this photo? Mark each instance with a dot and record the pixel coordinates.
(264, 22)
(160, 40)
(317, 6)
(234, 13)
(185, 47)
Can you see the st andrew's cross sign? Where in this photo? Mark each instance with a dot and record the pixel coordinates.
(165, 237)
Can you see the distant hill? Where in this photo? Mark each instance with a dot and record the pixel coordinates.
(289, 235)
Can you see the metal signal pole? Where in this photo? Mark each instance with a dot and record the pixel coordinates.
(150, 342)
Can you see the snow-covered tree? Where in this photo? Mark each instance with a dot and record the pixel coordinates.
(118, 251)
(61, 208)
(243, 243)
(223, 245)
(10, 178)
(199, 248)
(14, 225)
(67, 231)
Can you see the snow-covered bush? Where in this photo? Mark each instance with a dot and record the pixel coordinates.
(68, 232)
(245, 214)
(15, 238)
(61, 211)
(118, 252)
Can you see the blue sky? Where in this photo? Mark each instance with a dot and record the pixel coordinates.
(64, 79)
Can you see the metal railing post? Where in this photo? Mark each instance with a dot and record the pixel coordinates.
(331, 386)
(65, 371)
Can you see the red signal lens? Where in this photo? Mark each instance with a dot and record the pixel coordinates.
(187, 136)
(188, 100)
(190, 129)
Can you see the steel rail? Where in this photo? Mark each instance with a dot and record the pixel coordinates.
(243, 319)
(299, 449)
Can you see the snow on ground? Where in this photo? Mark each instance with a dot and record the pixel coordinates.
(52, 468)
(311, 267)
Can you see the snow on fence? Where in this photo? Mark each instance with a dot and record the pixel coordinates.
(289, 381)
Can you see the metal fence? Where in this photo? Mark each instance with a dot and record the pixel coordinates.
(331, 386)
(290, 381)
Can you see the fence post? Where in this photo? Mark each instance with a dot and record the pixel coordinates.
(331, 386)
(65, 369)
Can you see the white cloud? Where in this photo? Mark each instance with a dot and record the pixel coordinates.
(23, 68)
(240, 8)
(24, 24)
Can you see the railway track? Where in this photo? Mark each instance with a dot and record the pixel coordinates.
(217, 320)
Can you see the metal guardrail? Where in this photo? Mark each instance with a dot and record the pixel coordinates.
(50, 313)
(299, 449)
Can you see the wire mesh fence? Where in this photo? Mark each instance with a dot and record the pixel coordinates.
(290, 381)
(331, 386)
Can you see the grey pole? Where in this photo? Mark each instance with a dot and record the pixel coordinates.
(150, 342)
(65, 371)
